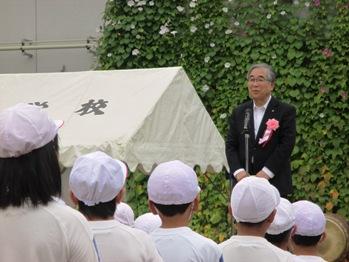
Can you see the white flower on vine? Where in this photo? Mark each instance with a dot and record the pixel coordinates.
(130, 3)
(225, 9)
(140, 3)
(135, 52)
(282, 12)
(268, 16)
(273, 56)
(140, 9)
(307, 4)
(223, 116)
(205, 88)
(210, 31)
(193, 28)
(211, 23)
(236, 23)
(163, 30)
(174, 32)
(207, 26)
(180, 8)
(132, 26)
(321, 115)
(109, 54)
(275, 2)
(227, 65)
(228, 31)
(151, 3)
(138, 37)
(192, 4)
(207, 58)
(212, 45)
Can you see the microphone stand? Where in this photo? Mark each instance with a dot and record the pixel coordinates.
(247, 138)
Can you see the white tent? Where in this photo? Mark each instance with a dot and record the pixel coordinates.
(141, 116)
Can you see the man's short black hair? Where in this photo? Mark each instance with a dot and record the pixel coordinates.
(31, 178)
(172, 210)
(100, 211)
(279, 238)
(306, 240)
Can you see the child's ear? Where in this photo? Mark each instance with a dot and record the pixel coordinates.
(73, 198)
(152, 207)
(323, 237)
(196, 203)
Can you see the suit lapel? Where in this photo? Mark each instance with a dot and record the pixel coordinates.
(269, 113)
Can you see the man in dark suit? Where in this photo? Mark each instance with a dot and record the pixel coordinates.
(271, 129)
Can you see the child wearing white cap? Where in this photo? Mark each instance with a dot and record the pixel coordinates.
(310, 230)
(173, 194)
(124, 214)
(33, 225)
(279, 232)
(96, 183)
(148, 222)
(253, 205)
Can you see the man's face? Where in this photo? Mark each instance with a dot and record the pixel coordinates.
(259, 88)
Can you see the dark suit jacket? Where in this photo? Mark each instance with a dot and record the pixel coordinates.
(275, 155)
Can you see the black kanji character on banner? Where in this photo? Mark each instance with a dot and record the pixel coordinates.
(43, 104)
(92, 107)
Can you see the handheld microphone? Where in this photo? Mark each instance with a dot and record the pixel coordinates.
(248, 112)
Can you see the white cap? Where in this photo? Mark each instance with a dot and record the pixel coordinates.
(124, 214)
(253, 199)
(310, 220)
(148, 222)
(97, 178)
(173, 183)
(24, 128)
(284, 218)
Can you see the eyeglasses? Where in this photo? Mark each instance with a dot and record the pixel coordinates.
(257, 80)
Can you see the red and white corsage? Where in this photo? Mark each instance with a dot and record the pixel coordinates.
(272, 125)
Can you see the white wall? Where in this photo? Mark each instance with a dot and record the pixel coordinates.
(48, 20)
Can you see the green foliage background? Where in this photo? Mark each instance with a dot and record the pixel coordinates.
(306, 42)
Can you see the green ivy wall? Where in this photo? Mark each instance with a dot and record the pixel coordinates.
(307, 43)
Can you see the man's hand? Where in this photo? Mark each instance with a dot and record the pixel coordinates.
(241, 175)
(262, 174)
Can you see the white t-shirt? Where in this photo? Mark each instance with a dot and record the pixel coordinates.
(49, 233)
(184, 245)
(252, 248)
(312, 258)
(118, 242)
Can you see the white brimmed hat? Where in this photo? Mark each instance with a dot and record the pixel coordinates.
(148, 222)
(253, 199)
(310, 220)
(24, 128)
(97, 178)
(173, 183)
(284, 218)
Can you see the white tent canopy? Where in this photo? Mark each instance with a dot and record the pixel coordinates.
(141, 116)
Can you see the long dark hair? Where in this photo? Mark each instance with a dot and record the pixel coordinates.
(33, 178)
